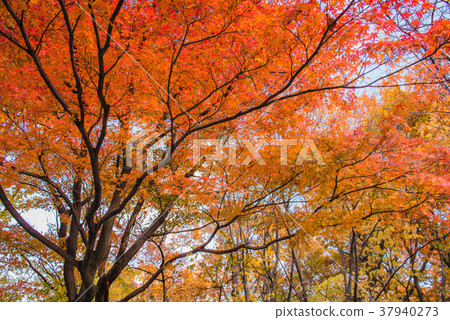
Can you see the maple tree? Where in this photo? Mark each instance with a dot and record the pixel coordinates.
(82, 78)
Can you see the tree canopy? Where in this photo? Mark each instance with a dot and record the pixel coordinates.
(364, 81)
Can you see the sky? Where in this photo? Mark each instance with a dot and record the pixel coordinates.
(39, 219)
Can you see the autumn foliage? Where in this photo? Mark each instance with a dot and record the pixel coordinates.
(366, 80)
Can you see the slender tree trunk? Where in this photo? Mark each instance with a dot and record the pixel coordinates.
(300, 276)
(443, 279)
